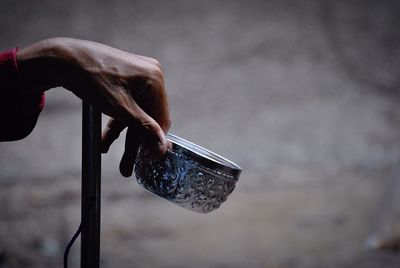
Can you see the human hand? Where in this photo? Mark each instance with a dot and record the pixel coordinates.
(127, 87)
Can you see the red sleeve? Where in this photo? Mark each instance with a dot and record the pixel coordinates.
(19, 106)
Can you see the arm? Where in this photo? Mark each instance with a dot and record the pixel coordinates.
(127, 87)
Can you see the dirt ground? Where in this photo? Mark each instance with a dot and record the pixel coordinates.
(302, 94)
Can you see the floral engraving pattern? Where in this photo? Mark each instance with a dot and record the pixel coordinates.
(182, 181)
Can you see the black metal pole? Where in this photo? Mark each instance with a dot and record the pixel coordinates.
(91, 178)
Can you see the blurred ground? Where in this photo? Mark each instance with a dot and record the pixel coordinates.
(302, 94)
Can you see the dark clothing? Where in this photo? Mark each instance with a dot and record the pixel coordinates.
(19, 107)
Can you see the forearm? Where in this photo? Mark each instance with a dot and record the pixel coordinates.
(42, 65)
(72, 64)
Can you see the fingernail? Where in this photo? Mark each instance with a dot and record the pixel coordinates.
(162, 139)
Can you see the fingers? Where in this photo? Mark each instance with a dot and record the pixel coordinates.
(153, 136)
(128, 158)
(110, 134)
(153, 117)
(145, 131)
(153, 101)
(149, 132)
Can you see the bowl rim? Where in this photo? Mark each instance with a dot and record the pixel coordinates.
(204, 156)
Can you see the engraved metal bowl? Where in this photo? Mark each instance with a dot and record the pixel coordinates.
(188, 175)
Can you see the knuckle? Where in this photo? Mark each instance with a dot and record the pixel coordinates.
(149, 125)
(155, 83)
(155, 62)
(157, 73)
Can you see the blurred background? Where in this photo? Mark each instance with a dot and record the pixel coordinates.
(304, 95)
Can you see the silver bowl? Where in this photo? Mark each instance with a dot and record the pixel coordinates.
(188, 175)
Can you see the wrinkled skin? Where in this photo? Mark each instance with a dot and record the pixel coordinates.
(127, 87)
